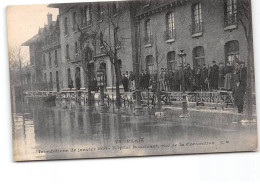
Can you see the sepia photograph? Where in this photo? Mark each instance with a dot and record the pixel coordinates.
(131, 78)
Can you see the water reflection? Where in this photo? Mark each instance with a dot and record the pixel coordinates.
(40, 128)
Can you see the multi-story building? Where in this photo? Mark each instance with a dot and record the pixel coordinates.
(149, 32)
(90, 20)
(45, 57)
(206, 30)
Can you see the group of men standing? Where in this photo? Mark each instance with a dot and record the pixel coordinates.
(229, 77)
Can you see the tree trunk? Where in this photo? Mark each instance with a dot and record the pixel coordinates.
(118, 73)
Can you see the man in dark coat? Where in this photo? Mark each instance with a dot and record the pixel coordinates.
(77, 81)
(187, 77)
(215, 73)
(221, 76)
(238, 95)
(142, 80)
(146, 79)
(243, 74)
(204, 77)
(125, 83)
(197, 76)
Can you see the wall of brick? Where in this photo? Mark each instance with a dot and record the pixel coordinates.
(213, 39)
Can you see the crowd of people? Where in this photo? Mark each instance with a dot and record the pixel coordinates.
(229, 77)
(200, 78)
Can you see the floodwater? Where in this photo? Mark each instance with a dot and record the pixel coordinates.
(43, 132)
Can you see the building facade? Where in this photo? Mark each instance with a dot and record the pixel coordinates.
(92, 21)
(45, 58)
(206, 30)
(150, 34)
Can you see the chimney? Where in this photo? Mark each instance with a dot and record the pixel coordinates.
(49, 18)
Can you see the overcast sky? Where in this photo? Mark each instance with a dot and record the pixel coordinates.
(23, 22)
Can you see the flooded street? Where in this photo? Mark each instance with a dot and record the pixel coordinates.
(47, 132)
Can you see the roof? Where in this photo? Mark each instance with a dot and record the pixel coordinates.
(32, 40)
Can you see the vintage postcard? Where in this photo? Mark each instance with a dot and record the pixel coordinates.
(131, 78)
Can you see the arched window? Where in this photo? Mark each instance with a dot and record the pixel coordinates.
(198, 56)
(171, 62)
(56, 58)
(45, 82)
(76, 47)
(67, 52)
(57, 81)
(150, 64)
(232, 51)
(50, 60)
(44, 61)
(170, 28)
(88, 55)
(87, 14)
(51, 82)
(115, 7)
(148, 32)
(69, 78)
(197, 23)
(99, 12)
(74, 21)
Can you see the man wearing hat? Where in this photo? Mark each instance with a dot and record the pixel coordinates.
(204, 77)
(214, 77)
(238, 95)
(243, 74)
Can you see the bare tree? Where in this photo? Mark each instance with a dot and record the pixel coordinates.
(110, 41)
(159, 58)
(245, 18)
(16, 60)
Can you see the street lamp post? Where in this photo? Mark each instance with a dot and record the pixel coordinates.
(185, 113)
(182, 55)
(101, 84)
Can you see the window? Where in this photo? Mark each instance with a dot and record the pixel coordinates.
(87, 15)
(56, 58)
(150, 64)
(67, 52)
(99, 12)
(50, 59)
(66, 25)
(148, 32)
(230, 7)
(197, 23)
(74, 21)
(82, 16)
(69, 78)
(44, 61)
(232, 51)
(170, 29)
(76, 47)
(51, 82)
(88, 56)
(171, 62)
(198, 56)
(115, 7)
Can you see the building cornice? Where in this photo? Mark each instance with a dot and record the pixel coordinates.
(160, 8)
